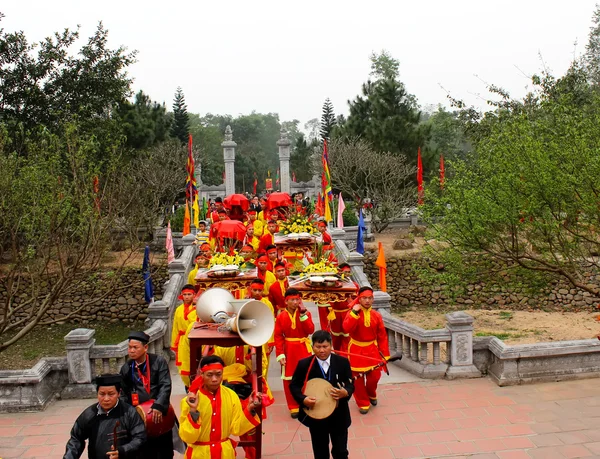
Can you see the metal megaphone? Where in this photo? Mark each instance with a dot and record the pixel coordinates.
(251, 319)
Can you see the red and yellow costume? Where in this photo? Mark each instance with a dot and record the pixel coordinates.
(184, 315)
(221, 415)
(266, 240)
(276, 294)
(367, 338)
(267, 277)
(293, 344)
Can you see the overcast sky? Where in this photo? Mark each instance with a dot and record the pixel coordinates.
(287, 57)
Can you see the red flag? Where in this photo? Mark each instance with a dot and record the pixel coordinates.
(442, 172)
(293, 176)
(277, 178)
(223, 176)
(319, 210)
(255, 184)
(419, 178)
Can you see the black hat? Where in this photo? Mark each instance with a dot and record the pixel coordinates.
(108, 380)
(139, 336)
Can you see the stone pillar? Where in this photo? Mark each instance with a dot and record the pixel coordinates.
(382, 300)
(284, 162)
(460, 325)
(78, 343)
(229, 157)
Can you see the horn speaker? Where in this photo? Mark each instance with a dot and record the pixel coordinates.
(251, 319)
(254, 323)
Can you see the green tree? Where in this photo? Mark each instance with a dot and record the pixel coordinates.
(46, 84)
(386, 115)
(180, 129)
(328, 120)
(144, 123)
(301, 159)
(592, 49)
(528, 194)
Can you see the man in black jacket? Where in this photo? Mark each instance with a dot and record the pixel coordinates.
(336, 370)
(145, 377)
(97, 425)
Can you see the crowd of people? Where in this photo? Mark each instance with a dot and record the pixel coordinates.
(220, 401)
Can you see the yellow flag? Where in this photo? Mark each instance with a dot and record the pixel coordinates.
(196, 209)
(328, 217)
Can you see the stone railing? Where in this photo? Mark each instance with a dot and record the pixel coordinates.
(72, 376)
(86, 360)
(527, 363)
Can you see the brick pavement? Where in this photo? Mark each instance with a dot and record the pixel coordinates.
(458, 419)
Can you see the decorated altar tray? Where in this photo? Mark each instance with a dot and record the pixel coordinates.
(341, 290)
(240, 281)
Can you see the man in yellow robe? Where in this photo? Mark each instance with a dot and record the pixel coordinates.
(211, 413)
(184, 315)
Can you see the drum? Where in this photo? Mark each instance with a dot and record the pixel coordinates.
(152, 429)
(321, 390)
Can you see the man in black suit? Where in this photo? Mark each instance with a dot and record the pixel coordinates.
(336, 370)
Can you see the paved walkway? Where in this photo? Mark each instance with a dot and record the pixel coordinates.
(467, 418)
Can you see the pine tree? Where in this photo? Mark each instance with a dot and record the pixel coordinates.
(181, 123)
(328, 120)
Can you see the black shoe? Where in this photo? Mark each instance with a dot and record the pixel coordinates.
(373, 401)
(363, 410)
(294, 415)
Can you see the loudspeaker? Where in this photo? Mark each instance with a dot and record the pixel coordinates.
(254, 323)
(214, 305)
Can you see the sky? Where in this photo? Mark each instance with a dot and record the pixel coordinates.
(287, 57)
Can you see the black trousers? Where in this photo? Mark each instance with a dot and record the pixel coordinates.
(158, 447)
(321, 436)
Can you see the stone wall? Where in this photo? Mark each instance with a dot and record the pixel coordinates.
(113, 305)
(408, 290)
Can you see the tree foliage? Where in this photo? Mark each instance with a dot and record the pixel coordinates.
(384, 179)
(44, 85)
(328, 120)
(528, 194)
(180, 129)
(144, 122)
(386, 115)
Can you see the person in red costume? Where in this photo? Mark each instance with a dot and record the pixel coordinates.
(267, 238)
(277, 289)
(293, 327)
(368, 346)
(339, 310)
(327, 241)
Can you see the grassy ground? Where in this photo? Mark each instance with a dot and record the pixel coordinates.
(49, 341)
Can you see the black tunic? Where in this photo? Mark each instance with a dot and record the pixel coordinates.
(97, 428)
(160, 390)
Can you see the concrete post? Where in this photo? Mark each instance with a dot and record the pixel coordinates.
(460, 325)
(284, 162)
(229, 157)
(78, 344)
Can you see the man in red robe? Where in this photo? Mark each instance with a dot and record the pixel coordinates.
(267, 238)
(277, 289)
(292, 329)
(340, 309)
(368, 347)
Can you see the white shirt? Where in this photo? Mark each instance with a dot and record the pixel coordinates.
(325, 364)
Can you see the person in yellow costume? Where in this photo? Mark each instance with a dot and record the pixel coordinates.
(184, 315)
(257, 292)
(258, 224)
(211, 413)
(183, 363)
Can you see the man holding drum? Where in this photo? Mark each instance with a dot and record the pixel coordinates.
(146, 377)
(327, 417)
